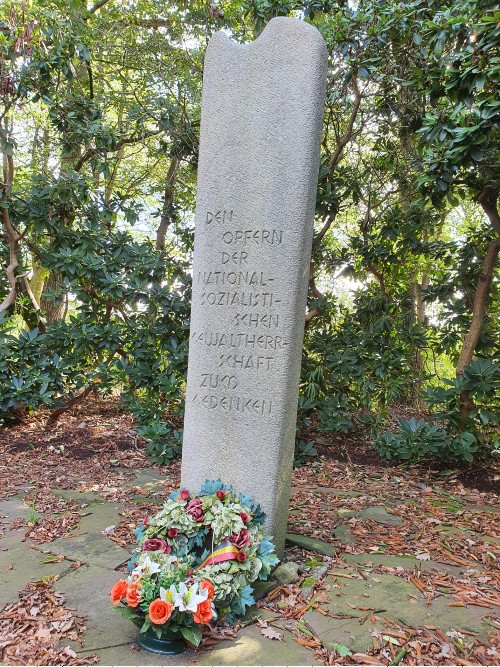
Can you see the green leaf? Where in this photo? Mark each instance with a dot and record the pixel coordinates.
(192, 634)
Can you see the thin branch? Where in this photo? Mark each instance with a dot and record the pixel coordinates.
(11, 233)
(41, 320)
(349, 133)
(151, 23)
(123, 142)
(98, 5)
(488, 200)
(168, 196)
(91, 81)
(328, 223)
(312, 286)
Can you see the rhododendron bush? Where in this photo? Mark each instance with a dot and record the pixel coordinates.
(196, 561)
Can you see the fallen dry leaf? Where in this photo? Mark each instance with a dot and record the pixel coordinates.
(270, 633)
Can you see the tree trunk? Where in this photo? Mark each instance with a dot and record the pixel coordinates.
(488, 200)
(54, 308)
(168, 197)
(419, 314)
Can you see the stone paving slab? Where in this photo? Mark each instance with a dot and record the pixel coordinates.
(83, 497)
(408, 563)
(312, 544)
(251, 648)
(482, 508)
(87, 590)
(98, 517)
(148, 479)
(379, 514)
(131, 654)
(20, 565)
(353, 599)
(342, 493)
(94, 549)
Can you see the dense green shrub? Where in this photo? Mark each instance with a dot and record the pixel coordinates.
(357, 362)
(419, 440)
(453, 437)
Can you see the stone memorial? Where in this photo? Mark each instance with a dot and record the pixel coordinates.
(262, 112)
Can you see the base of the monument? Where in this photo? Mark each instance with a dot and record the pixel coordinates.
(166, 645)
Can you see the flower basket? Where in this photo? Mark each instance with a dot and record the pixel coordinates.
(195, 564)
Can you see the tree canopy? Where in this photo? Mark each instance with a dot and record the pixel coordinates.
(99, 128)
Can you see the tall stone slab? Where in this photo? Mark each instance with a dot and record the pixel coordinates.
(262, 112)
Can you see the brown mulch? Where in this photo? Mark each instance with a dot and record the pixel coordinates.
(88, 448)
(33, 630)
(60, 516)
(94, 448)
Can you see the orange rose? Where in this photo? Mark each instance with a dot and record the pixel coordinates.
(160, 611)
(132, 597)
(203, 613)
(209, 587)
(118, 591)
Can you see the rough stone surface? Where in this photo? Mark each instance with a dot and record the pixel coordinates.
(344, 535)
(87, 589)
(131, 654)
(19, 565)
(385, 595)
(93, 549)
(319, 571)
(262, 112)
(379, 514)
(287, 573)
(311, 544)
(408, 563)
(251, 648)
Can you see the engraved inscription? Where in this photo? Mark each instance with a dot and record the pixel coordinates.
(218, 339)
(251, 236)
(233, 278)
(214, 380)
(255, 320)
(243, 361)
(235, 257)
(240, 404)
(239, 299)
(241, 288)
(218, 217)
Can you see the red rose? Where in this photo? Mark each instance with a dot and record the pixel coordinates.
(155, 544)
(241, 557)
(241, 539)
(146, 522)
(221, 494)
(184, 494)
(244, 517)
(195, 510)
(173, 532)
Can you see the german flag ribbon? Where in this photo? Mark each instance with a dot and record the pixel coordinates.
(224, 551)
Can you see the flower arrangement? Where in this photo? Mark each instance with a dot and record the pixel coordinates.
(195, 563)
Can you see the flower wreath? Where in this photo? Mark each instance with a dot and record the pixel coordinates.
(196, 561)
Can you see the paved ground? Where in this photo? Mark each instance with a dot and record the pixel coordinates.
(350, 609)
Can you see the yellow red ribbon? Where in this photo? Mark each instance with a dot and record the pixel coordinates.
(225, 551)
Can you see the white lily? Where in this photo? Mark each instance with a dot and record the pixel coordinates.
(168, 596)
(189, 599)
(146, 567)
